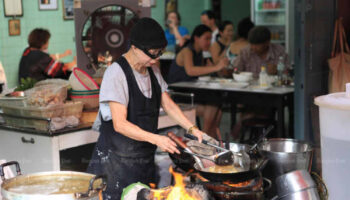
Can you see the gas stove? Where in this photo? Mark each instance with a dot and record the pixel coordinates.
(249, 189)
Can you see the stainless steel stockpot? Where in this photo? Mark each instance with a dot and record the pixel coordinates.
(60, 185)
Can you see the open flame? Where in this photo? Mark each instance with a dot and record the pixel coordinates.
(176, 192)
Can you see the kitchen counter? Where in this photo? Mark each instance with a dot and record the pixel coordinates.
(38, 151)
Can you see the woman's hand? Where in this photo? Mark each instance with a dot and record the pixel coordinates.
(67, 52)
(222, 63)
(166, 144)
(172, 24)
(198, 133)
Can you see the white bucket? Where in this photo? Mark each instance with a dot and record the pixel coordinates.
(334, 111)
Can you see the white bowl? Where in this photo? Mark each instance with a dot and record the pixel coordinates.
(249, 74)
(241, 77)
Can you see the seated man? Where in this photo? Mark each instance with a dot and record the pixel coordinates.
(260, 52)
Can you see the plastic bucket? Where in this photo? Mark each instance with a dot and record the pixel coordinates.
(334, 112)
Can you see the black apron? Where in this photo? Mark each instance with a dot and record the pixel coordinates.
(122, 159)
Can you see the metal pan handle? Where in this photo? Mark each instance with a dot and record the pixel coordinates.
(2, 171)
(91, 187)
(172, 136)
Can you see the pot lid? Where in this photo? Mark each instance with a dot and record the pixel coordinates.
(340, 100)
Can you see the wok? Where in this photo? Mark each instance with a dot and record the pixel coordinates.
(256, 166)
(186, 162)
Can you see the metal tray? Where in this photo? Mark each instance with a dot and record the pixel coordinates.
(67, 109)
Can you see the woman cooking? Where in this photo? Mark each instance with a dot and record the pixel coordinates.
(131, 93)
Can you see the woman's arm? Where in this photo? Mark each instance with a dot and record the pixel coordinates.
(123, 126)
(192, 70)
(215, 52)
(175, 29)
(175, 113)
(58, 56)
(69, 66)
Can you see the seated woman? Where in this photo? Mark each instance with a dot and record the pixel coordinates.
(36, 63)
(220, 46)
(175, 34)
(243, 29)
(217, 49)
(189, 64)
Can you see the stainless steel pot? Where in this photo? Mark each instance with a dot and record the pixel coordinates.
(237, 147)
(286, 155)
(62, 185)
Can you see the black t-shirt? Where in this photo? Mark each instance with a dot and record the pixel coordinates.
(39, 65)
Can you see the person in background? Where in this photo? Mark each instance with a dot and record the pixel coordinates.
(260, 52)
(218, 48)
(243, 28)
(208, 18)
(131, 94)
(175, 34)
(189, 64)
(36, 63)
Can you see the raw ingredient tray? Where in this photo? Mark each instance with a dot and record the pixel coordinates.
(67, 109)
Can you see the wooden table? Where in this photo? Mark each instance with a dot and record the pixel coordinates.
(225, 91)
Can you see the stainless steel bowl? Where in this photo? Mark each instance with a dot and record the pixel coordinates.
(236, 147)
(286, 155)
(293, 182)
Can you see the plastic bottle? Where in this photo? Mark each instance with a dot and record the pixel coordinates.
(263, 77)
(280, 69)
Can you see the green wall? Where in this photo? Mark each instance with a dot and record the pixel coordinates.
(235, 10)
(190, 11)
(11, 47)
(62, 31)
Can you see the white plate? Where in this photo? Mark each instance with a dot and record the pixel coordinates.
(214, 84)
(235, 84)
(258, 87)
(204, 78)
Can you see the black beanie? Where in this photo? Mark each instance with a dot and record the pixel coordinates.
(147, 33)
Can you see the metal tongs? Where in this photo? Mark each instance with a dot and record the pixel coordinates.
(219, 159)
(241, 158)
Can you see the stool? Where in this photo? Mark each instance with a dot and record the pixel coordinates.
(254, 127)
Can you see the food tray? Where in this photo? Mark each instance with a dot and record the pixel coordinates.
(13, 101)
(38, 124)
(67, 109)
